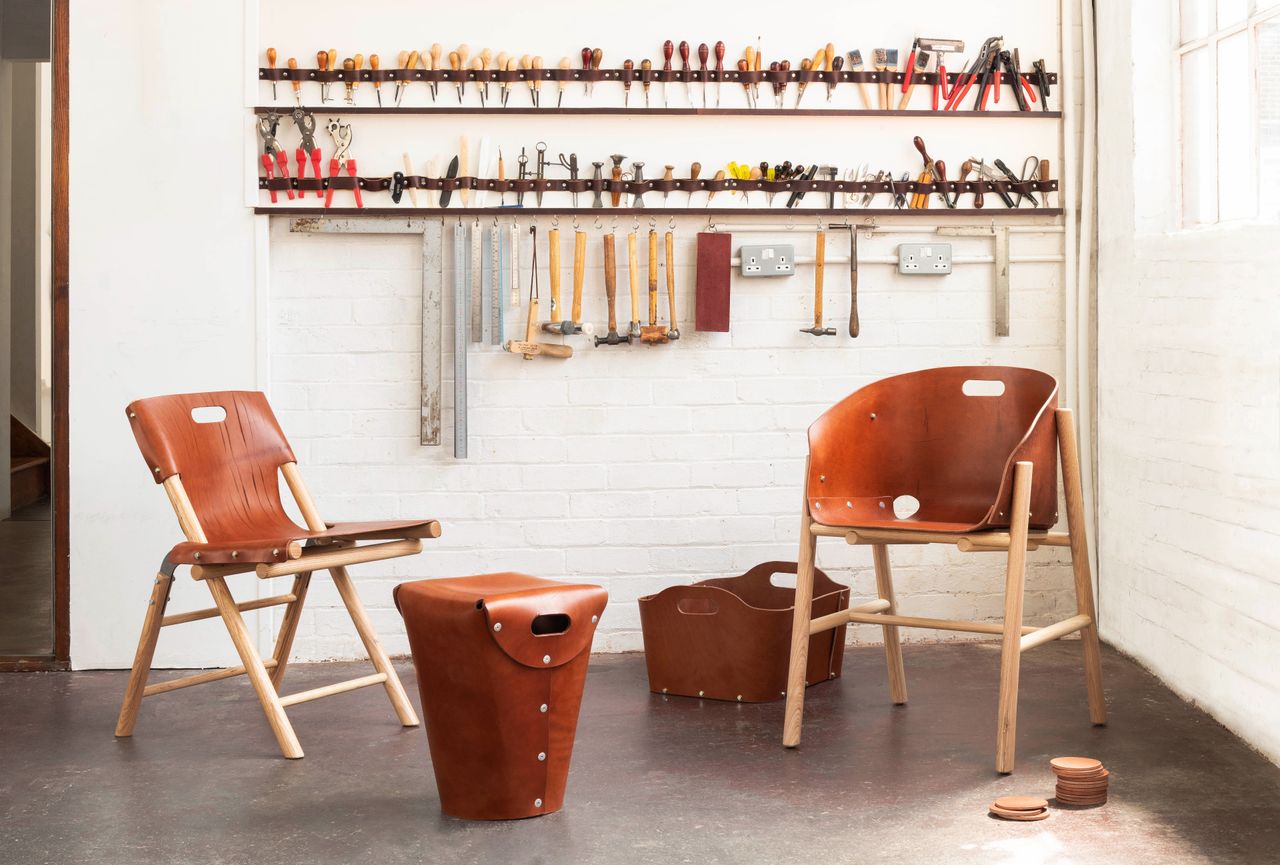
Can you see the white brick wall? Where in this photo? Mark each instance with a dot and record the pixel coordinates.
(1189, 414)
(636, 467)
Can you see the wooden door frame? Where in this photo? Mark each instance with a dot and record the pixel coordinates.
(61, 657)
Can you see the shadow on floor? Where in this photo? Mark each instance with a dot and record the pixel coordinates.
(655, 779)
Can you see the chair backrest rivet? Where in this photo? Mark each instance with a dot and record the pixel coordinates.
(497, 626)
(546, 659)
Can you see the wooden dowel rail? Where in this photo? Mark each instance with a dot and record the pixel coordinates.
(841, 617)
(210, 612)
(330, 690)
(323, 558)
(931, 624)
(199, 679)
(1049, 633)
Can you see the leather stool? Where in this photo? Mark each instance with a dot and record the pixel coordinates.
(501, 661)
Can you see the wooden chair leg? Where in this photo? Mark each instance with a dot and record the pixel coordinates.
(381, 663)
(288, 629)
(892, 644)
(1010, 642)
(794, 716)
(254, 668)
(142, 658)
(1073, 492)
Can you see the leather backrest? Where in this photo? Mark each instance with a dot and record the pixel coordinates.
(229, 466)
(920, 434)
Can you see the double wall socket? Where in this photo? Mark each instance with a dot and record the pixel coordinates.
(923, 259)
(778, 259)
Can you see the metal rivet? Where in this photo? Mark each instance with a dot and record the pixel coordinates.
(235, 554)
(848, 504)
(817, 505)
(157, 469)
(873, 415)
(197, 557)
(699, 693)
(497, 626)
(822, 479)
(546, 659)
(664, 690)
(542, 755)
(133, 414)
(275, 552)
(882, 504)
(543, 708)
(739, 698)
(537, 803)
(595, 619)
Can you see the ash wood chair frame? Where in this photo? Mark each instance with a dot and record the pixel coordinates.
(292, 558)
(1014, 541)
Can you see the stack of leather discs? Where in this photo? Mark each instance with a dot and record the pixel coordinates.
(1081, 780)
(1025, 808)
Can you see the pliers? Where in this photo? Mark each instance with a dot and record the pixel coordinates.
(341, 133)
(985, 172)
(272, 153)
(306, 123)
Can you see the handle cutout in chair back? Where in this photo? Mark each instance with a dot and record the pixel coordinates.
(549, 624)
(905, 507)
(698, 606)
(783, 580)
(982, 387)
(208, 414)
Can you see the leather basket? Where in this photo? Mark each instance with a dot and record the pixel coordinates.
(730, 638)
(501, 660)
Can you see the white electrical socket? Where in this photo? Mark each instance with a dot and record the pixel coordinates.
(776, 260)
(924, 259)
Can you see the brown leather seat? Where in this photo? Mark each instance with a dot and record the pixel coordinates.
(501, 661)
(230, 470)
(919, 434)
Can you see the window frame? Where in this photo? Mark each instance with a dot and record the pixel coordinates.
(1249, 25)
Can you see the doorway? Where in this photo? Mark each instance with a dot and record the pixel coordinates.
(33, 127)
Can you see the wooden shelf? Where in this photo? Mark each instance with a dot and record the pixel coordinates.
(341, 108)
(607, 214)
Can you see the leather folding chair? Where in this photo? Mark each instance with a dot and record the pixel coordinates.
(219, 457)
(977, 448)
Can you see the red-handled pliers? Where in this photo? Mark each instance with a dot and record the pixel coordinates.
(272, 153)
(306, 123)
(341, 133)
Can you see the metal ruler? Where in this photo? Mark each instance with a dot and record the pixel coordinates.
(461, 331)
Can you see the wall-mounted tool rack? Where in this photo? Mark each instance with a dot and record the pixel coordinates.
(616, 213)
(687, 186)
(583, 76)
(658, 112)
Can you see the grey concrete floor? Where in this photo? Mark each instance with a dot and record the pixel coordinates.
(654, 780)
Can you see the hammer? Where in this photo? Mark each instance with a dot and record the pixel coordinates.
(669, 242)
(611, 294)
(654, 333)
(819, 257)
(529, 346)
(633, 281)
(573, 325)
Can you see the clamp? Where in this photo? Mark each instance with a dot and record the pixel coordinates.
(341, 134)
(306, 123)
(272, 153)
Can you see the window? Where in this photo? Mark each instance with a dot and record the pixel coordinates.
(1228, 63)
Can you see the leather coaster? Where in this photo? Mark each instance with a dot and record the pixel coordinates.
(1021, 816)
(1075, 764)
(1020, 803)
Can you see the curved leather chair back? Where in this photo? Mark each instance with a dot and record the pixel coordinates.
(229, 466)
(948, 443)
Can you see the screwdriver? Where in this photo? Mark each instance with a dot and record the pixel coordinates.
(535, 82)
(667, 175)
(694, 170)
(684, 70)
(512, 66)
(402, 60)
(816, 65)
(719, 174)
(703, 54)
(477, 65)
(755, 88)
(628, 71)
(355, 79)
(434, 53)
(719, 70)
(486, 57)
(586, 67)
(375, 64)
(597, 57)
(667, 48)
(525, 61)
(349, 66)
(784, 66)
(297, 83)
(835, 62)
(743, 66)
(646, 66)
(752, 91)
(463, 53)
(565, 66)
(271, 64)
(322, 63)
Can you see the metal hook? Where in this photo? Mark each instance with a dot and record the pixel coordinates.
(653, 222)
(575, 222)
(555, 221)
(671, 223)
(615, 225)
(791, 223)
(635, 224)
(599, 225)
